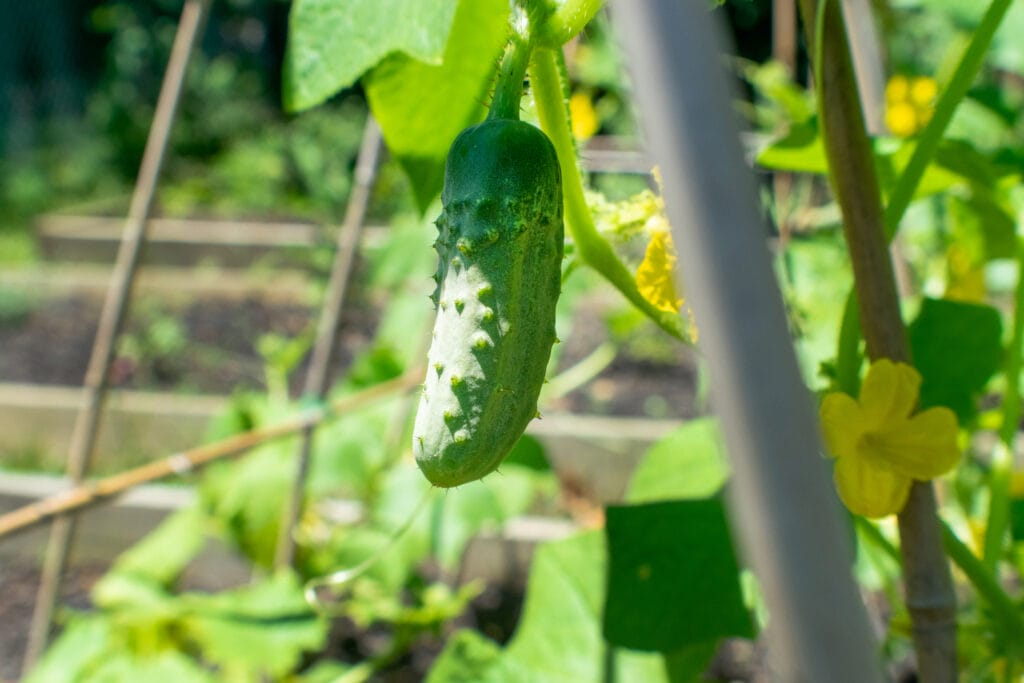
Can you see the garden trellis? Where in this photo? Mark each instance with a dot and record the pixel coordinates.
(781, 503)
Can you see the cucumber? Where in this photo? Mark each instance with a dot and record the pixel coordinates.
(499, 247)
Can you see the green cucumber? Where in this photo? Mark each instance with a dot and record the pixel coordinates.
(498, 280)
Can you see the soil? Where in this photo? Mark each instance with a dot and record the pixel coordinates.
(211, 346)
(205, 346)
(19, 580)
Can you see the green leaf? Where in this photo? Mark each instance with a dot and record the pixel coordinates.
(136, 598)
(487, 503)
(85, 641)
(800, 150)
(529, 453)
(166, 666)
(263, 628)
(686, 463)
(467, 658)
(559, 633)
(421, 107)
(688, 664)
(247, 496)
(164, 553)
(1017, 519)
(956, 347)
(982, 227)
(559, 636)
(673, 578)
(332, 43)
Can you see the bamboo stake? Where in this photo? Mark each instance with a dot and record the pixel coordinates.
(83, 437)
(330, 319)
(782, 503)
(927, 580)
(88, 494)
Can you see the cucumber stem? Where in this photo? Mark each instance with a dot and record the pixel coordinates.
(591, 247)
(508, 87)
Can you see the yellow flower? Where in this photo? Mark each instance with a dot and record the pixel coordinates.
(879, 446)
(654, 276)
(923, 91)
(896, 89)
(901, 119)
(583, 116)
(909, 104)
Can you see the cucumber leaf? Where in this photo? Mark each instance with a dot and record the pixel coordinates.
(332, 43)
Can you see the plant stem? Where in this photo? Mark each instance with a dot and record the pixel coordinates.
(1011, 399)
(566, 22)
(1001, 472)
(594, 250)
(928, 584)
(508, 88)
(848, 357)
(1004, 611)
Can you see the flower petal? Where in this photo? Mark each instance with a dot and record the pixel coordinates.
(890, 392)
(923, 447)
(869, 490)
(654, 276)
(841, 423)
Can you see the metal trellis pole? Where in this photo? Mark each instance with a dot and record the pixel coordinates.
(83, 437)
(786, 516)
(330, 316)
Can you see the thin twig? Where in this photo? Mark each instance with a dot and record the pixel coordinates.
(83, 438)
(330, 317)
(88, 494)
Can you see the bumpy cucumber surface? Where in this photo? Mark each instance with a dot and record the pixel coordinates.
(498, 278)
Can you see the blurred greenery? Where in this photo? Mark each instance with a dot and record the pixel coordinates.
(234, 152)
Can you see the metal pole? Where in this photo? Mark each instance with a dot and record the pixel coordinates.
(330, 317)
(786, 515)
(87, 422)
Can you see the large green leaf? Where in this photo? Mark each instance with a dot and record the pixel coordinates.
(128, 667)
(559, 633)
(956, 347)
(331, 43)
(263, 628)
(686, 463)
(421, 107)
(85, 641)
(468, 657)
(673, 580)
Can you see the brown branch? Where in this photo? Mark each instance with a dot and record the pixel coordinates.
(92, 493)
(927, 581)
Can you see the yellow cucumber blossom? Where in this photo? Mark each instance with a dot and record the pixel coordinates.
(880, 445)
(654, 276)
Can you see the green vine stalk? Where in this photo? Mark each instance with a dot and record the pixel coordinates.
(592, 249)
(566, 21)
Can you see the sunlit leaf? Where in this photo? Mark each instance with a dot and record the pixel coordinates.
(421, 106)
(331, 44)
